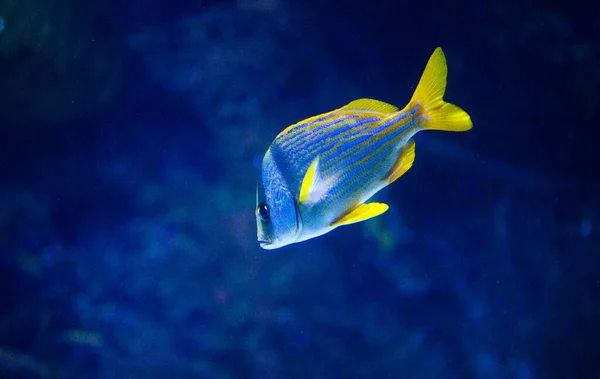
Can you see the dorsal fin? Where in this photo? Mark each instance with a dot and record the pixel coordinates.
(370, 105)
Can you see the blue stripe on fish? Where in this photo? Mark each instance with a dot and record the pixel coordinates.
(300, 136)
(360, 164)
(393, 120)
(334, 131)
(301, 124)
(355, 157)
(357, 146)
(342, 129)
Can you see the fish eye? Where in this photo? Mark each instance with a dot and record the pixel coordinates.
(263, 211)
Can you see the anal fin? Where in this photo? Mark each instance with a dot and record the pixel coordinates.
(403, 163)
(361, 213)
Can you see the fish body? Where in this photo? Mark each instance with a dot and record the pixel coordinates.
(318, 173)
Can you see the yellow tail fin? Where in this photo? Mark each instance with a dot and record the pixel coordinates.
(435, 112)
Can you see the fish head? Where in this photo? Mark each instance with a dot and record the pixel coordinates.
(277, 218)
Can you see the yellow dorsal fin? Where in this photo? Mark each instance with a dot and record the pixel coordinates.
(403, 163)
(313, 187)
(361, 213)
(370, 105)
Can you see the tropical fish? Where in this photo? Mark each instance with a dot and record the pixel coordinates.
(318, 173)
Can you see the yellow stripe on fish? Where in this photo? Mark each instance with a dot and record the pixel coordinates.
(318, 173)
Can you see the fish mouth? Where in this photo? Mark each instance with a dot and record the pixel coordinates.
(269, 245)
(264, 243)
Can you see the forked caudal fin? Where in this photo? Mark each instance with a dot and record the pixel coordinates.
(435, 113)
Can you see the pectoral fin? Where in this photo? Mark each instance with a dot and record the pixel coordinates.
(361, 213)
(313, 188)
(403, 163)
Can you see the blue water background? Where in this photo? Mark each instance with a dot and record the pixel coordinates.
(128, 237)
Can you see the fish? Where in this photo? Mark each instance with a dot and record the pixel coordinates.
(320, 173)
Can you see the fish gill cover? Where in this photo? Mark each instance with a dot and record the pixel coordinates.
(132, 135)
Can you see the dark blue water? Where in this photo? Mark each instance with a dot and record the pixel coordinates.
(130, 139)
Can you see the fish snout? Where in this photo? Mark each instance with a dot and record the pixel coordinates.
(264, 243)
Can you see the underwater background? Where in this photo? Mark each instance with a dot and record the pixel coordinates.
(131, 135)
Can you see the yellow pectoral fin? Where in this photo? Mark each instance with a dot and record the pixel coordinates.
(361, 213)
(313, 188)
(308, 182)
(403, 163)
